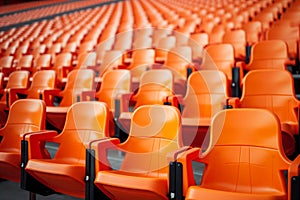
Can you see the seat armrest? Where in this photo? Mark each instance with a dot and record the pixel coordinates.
(190, 68)
(41, 93)
(7, 70)
(175, 100)
(101, 147)
(2, 92)
(241, 64)
(157, 66)
(15, 94)
(95, 68)
(294, 179)
(45, 68)
(185, 156)
(232, 102)
(66, 70)
(298, 56)
(172, 156)
(49, 95)
(124, 66)
(36, 142)
(88, 95)
(126, 103)
(237, 73)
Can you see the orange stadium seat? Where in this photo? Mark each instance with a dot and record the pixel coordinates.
(25, 62)
(268, 54)
(58, 101)
(65, 171)
(155, 86)
(16, 80)
(273, 90)
(163, 46)
(111, 60)
(179, 61)
(253, 30)
(247, 156)
(197, 42)
(6, 65)
(206, 95)
(41, 80)
(114, 83)
(155, 132)
(238, 40)
(290, 35)
(142, 60)
(41, 62)
(221, 57)
(26, 115)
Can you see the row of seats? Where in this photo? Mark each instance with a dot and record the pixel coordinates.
(207, 90)
(115, 19)
(125, 37)
(19, 7)
(207, 94)
(245, 145)
(178, 60)
(45, 9)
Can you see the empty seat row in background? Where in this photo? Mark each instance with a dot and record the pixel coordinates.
(123, 41)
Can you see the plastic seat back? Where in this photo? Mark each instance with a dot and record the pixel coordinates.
(41, 80)
(17, 79)
(268, 54)
(111, 60)
(266, 19)
(238, 39)
(87, 46)
(6, 65)
(86, 59)
(155, 86)
(25, 115)
(156, 129)
(85, 121)
(142, 42)
(62, 60)
(25, 62)
(65, 171)
(197, 42)
(43, 60)
(245, 145)
(6, 61)
(155, 132)
(142, 60)
(114, 83)
(163, 46)
(77, 81)
(178, 59)
(253, 30)
(275, 93)
(206, 94)
(21, 51)
(220, 57)
(288, 34)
